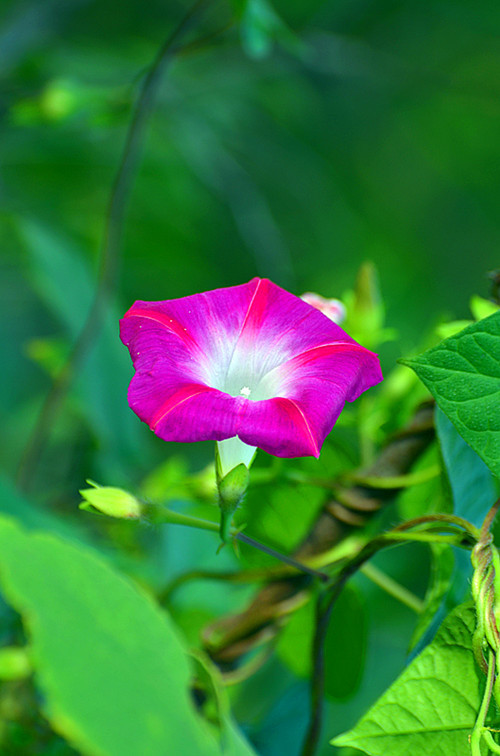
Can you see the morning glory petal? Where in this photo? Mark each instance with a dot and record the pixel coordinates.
(250, 361)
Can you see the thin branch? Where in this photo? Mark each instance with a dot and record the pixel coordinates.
(157, 515)
(290, 561)
(110, 250)
(323, 613)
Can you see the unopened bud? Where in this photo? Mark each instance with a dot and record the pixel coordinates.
(232, 488)
(332, 308)
(114, 502)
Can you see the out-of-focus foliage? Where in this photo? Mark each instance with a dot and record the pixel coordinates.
(299, 141)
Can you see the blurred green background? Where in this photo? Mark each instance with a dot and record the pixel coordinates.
(370, 131)
(293, 146)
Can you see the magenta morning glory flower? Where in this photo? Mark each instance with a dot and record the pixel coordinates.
(250, 362)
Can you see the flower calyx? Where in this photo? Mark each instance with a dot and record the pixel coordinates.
(231, 487)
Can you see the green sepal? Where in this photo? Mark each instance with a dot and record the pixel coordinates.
(232, 488)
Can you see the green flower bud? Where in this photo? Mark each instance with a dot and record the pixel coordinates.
(232, 488)
(114, 502)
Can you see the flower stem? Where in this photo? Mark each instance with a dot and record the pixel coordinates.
(163, 515)
(392, 587)
(282, 557)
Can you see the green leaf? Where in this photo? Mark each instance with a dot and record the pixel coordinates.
(473, 492)
(463, 374)
(472, 485)
(112, 668)
(432, 706)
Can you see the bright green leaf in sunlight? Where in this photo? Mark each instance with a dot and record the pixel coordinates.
(110, 664)
(463, 374)
(431, 708)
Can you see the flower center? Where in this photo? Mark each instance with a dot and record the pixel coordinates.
(247, 371)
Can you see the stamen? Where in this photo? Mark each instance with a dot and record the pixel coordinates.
(245, 391)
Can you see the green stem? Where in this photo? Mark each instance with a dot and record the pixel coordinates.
(350, 566)
(492, 744)
(282, 557)
(163, 515)
(441, 518)
(478, 731)
(453, 540)
(174, 518)
(392, 587)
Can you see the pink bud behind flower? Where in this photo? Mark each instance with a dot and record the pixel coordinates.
(332, 308)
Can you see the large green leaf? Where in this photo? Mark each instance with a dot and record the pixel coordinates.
(113, 670)
(432, 706)
(463, 374)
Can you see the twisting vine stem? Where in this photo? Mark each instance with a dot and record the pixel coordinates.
(485, 585)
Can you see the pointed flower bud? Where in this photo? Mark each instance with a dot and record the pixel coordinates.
(233, 477)
(232, 488)
(114, 502)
